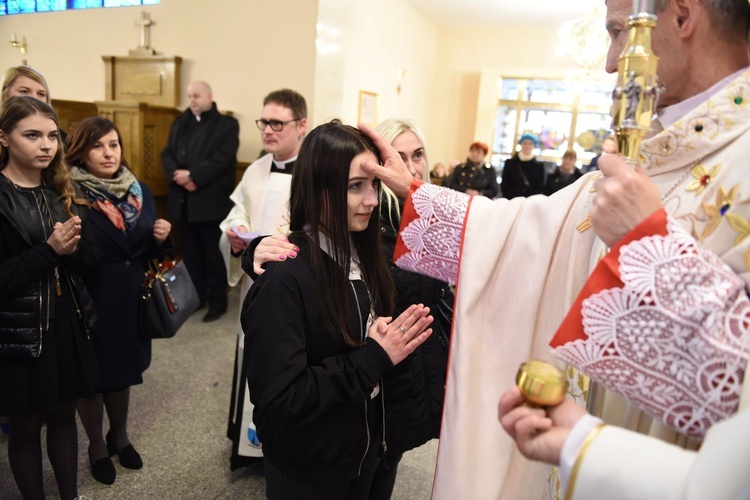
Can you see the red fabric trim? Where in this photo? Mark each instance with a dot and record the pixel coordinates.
(407, 216)
(606, 275)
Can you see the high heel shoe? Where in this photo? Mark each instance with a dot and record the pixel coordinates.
(129, 458)
(103, 469)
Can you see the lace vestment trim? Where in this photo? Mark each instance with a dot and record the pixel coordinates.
(675, 338)
(433, 232)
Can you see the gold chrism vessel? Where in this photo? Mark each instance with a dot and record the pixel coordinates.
(541, 384)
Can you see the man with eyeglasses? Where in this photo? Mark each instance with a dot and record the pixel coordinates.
(200, 161)
(260, 207)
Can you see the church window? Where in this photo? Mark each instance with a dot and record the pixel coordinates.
(8, 7)
(563, 113)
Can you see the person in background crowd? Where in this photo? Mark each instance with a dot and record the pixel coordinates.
(452, 166)
(25, 80)
(124, 223)
(319, 335)
(564, 175)
(609, 146)
(438, 173)
(524, 175)
(47, 358)
(200, 161)
(475, 177)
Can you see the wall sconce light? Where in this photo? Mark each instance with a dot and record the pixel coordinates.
(15, 43)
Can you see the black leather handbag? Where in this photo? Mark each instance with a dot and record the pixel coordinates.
(168, 298)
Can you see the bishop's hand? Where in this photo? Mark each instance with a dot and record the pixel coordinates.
(393, 172)
(624, 198)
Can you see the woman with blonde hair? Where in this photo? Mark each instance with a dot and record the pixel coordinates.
(24, 80)
(47, 359)
(414, 389)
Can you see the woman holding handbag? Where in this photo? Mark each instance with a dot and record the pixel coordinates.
(124, 222)
(317, 341)
(47, 358)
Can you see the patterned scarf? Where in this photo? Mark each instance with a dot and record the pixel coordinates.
(120, 199)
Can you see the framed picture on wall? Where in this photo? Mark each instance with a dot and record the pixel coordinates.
(368, 108)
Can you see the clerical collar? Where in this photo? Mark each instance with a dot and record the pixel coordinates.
(671, 114)
(283, 167)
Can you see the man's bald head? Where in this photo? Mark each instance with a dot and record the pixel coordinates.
(200, 97)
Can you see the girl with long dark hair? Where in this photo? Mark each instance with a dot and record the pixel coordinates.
(318, 331)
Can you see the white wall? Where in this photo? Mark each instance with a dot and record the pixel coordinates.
(245, 49)
(376, 40)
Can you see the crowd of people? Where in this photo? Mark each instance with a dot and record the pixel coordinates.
(349, 248)
(522, 175)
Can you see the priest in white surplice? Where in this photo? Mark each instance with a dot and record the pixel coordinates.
(261, 202)
(520, 264)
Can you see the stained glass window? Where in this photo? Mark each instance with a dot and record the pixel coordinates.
(8, 7)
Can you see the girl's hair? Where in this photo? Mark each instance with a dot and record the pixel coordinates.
(28, 72)
(57, 174)
(390, 129)
(83, 137)
(318, 202)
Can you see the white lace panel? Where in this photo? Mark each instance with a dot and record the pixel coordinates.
(433, 239)
(675, 338)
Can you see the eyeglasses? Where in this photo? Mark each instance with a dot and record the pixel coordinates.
(276, 125)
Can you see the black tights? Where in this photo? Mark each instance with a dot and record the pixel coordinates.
(25, 452)
(91, 411)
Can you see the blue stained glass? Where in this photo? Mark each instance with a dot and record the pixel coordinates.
(50, 5)
(21, 6)
(29, 6)
(121, 3)
(86, 4)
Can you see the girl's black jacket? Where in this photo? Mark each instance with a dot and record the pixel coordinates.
(310, 389)
(27, 273)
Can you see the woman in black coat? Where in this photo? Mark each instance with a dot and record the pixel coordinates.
(47, 359)
(123, 218)
(523, 174)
